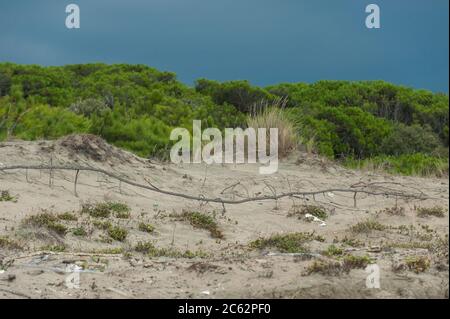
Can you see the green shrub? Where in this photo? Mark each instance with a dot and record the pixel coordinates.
(367, 226)
(333, 250)
(5, 196)
(67, 217)
(327, 268)
(118, 207)
(117, 233)
(147, 228)
(100, 210)
(203, 221)
(313, 210)
(417, 264)
(44, 122)
(104, 210)
(7, 243)
(46, 220)
(79, 231)
(135, 107)
(286, 243)
(410, 140)
(351, 261)
(436, 211)
(150, 250)
(103, 225)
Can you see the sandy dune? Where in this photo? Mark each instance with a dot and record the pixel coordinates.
(31, 265)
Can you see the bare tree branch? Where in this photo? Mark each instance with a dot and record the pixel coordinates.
(353, 190)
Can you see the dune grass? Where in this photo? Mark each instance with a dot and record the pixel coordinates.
(411, 165)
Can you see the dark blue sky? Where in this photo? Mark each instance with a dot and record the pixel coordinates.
(264, 41)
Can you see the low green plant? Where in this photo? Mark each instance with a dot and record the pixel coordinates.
(313, 210)
(100, 210)
(145, 247)
(352, 242)
(5, 196)
(46, 220)
(118, 207)
(352, 262)
(436, 211)
(79, 231)
(117, 233)
(7, 243)
(287, 243)
(327, 268)
(203, 221)
(417, 264)
(122, 215)
(147, 228)
(67, 217)
(333, 250)
(104, 210)
(149, 249)
(367, 226)
(104, 225)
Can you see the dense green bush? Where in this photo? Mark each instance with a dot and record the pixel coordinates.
(135, 107)
(44, 122)
(131, 106)
(410, 139)
(238, 93)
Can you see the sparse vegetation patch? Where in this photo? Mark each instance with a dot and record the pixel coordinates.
(332, 251)
(117, 233)
(149, 249)
(327, 268)
(104, 210)
(394, 211)
(7, 243)
(436, 211)
(67, 217)
(79, 231)
(352, 262)
(5, 196)
(287, 243)
(418, 264)
(46, 220)
(203, 221)
(367, 226)
(147, 228)
(97, 210)
(303, 210)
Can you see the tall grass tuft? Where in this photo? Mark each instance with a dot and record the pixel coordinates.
(272, 115)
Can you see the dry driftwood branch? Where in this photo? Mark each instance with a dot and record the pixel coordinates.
(389, 193)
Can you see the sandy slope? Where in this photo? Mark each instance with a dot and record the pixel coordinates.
(231, 269)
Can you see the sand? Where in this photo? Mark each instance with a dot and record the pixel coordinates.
(34, 267)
